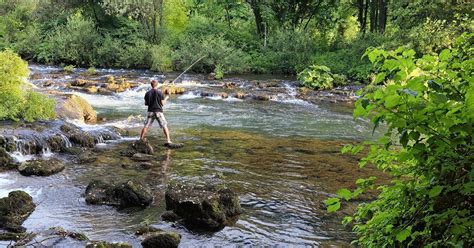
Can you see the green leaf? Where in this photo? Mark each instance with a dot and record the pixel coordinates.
(435, 191)
(403, 235)
(344, 193)
(333, 204)
(392, 101)
(470, 101)
(445, 55)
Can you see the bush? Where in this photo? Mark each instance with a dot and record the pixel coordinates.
(162, 58)
(428, 107)
(38, 107)
(14, 102)
(320, 77)
(69, 69)
(72, 43)
(216, 51)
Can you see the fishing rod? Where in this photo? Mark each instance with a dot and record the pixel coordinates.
(187, 69)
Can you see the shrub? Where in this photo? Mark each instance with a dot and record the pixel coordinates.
(69, 69)
(14, 102)
(162, 58)
(38, 107)
(428, 107)
(219, 72)
(320, 77)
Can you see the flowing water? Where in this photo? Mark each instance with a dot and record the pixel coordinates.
(282, 157)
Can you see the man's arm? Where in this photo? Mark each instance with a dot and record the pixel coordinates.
(163, 102)
(146, 99)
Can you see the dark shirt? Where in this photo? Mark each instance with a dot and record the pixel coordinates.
(153, 100)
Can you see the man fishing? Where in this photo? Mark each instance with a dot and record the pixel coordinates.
(155, 100)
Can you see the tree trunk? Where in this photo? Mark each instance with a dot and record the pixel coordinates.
(382, 16)
(255, 5)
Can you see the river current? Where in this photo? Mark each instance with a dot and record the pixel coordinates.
(282, 157)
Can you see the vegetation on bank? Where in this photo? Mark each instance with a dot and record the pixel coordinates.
(427, 104)
(16, 100)
(235, 36)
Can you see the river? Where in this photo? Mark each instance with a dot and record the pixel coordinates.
(281, 156)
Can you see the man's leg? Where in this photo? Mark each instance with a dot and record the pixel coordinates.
(167, 134)
(143, 133)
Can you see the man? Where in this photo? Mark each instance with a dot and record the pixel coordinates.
(155, 100)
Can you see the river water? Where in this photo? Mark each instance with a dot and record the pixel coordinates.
(281, 156)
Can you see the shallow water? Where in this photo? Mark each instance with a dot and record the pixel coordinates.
(282, 157)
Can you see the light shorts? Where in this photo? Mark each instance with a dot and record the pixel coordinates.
(159, 116)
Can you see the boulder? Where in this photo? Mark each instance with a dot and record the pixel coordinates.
(172, 90)
(59, 231)
(203, 208)
(15, 209)
(41, 167)
(162, 239)
(112, 86)
(169, 216)
(75, 107)
(91, 89)
(240, 95)
(6, 161)
(103, 244)
(261, 97)
(83, 83)
(138, 147)
(77, 136)
(128, 194)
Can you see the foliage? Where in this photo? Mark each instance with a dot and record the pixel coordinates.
(427, 105)
(69, 68)
(162, 58)
(38, 106)
(320, 77)
(15, 101)
(91, 71)
(13, 71)
(219, 73)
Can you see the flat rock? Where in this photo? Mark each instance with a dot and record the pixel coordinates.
(142, 157)
(15, 209)
(203, 208)
(124, 195)
(41, 167)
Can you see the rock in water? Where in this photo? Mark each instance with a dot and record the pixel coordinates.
(203, 208)
(41, 167)
(162, 240)
(174, 145)
(138, 147)
(103, 244)
(6, 161)
(128, 194)
(76, 108)
(15, 209)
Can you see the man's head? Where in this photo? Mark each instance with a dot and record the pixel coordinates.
(154, 83)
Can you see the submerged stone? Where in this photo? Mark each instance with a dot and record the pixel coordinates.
(128, 194)
(203, 208)
(162, 239)
(103, 244)
(41, 167)
(15, 209)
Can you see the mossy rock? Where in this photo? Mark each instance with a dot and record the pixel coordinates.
(103, 244)
(203, 208)
(41, 167)
(6, 161)
(162, 240)
(124, 195)
(15, 209)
